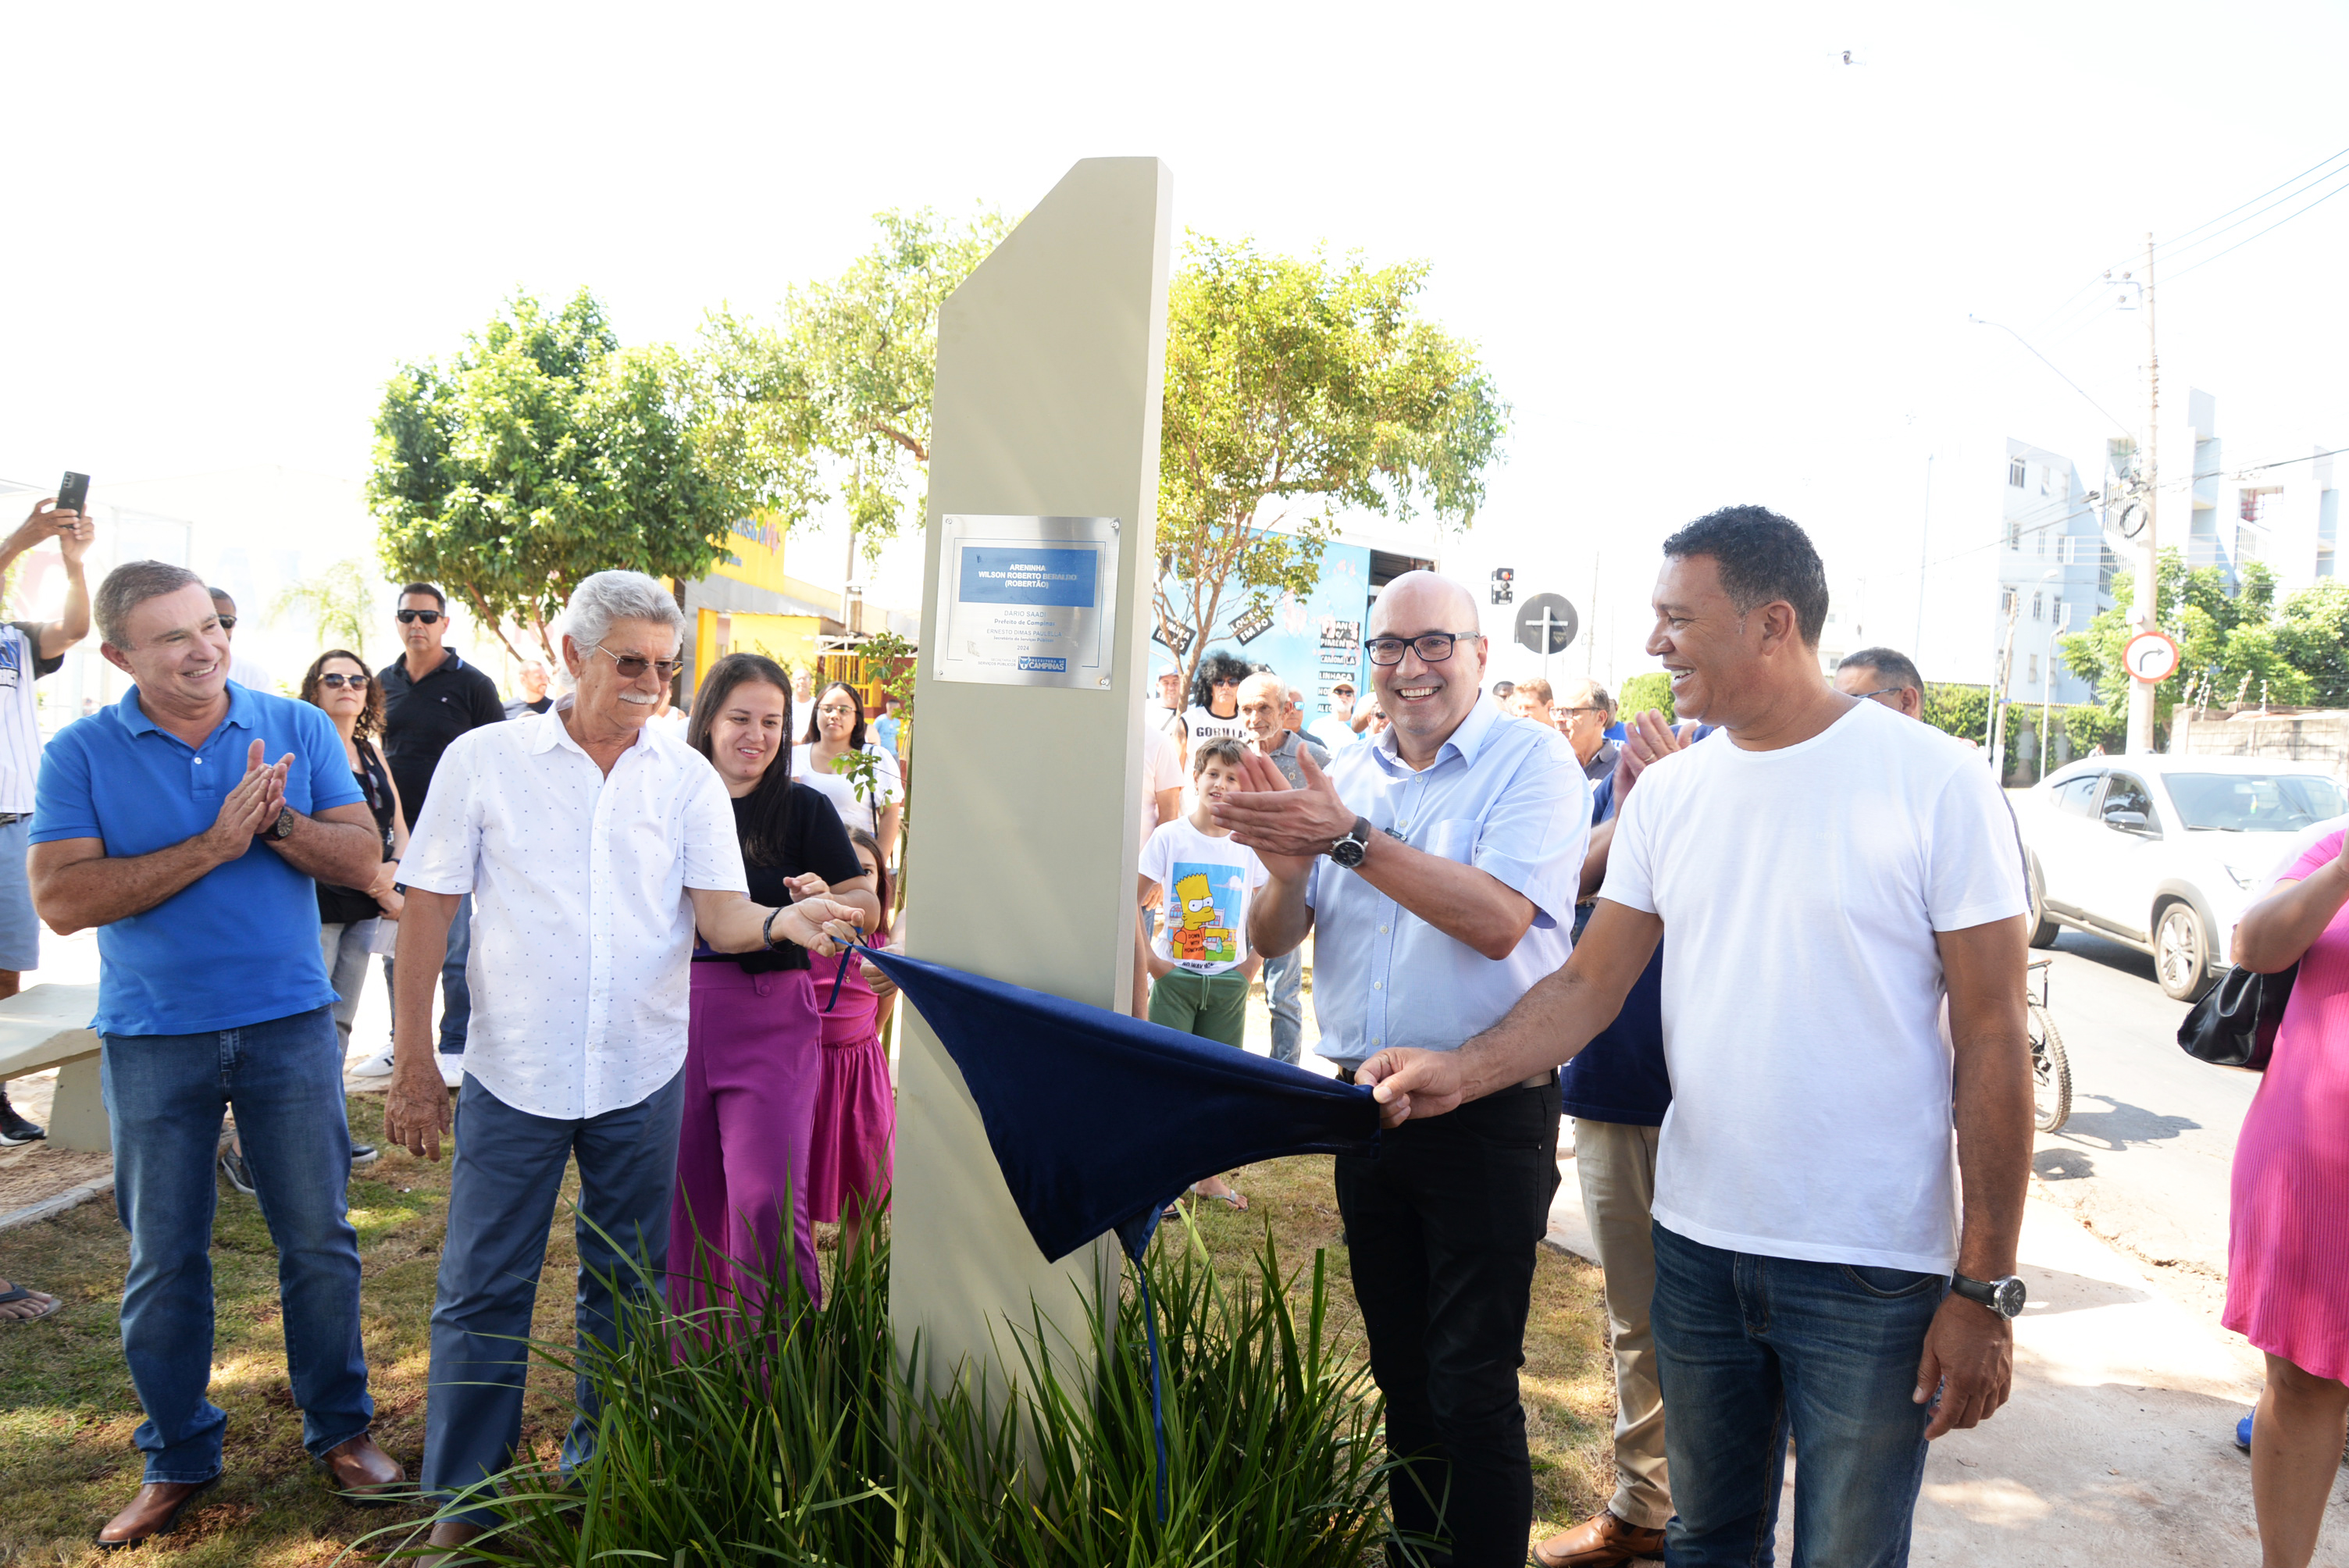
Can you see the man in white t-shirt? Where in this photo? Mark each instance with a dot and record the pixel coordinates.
(1167, 717)
(1200, 962)
(1827, 875)
(1215, 700)
(1335, 730)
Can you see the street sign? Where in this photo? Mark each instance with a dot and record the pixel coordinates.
(2151, 657)
(1546, 624)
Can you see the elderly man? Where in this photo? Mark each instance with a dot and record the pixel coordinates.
(534, 697)
(1850, 1302)
(1885, 676)
(1583, 718)
(592, 847)
(161, 823)
(1264, 708)
(1436, 868)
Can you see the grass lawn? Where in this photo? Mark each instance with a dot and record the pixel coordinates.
(67, 1410)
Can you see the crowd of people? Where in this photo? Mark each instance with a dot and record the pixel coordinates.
(627, 913)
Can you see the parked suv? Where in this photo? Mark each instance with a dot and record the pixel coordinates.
(2164, 853)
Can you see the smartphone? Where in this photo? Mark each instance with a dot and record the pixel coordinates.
(73, 492)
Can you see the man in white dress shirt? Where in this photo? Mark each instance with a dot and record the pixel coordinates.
(594, 847)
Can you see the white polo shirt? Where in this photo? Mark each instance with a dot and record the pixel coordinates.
(583, 935)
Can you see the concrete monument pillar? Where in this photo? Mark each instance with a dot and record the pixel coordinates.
(1043, 490)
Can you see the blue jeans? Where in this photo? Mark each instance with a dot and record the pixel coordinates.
(1284, 995)
(164, 1099)
(502, 1197)
(456, 998)
(1749, 1348)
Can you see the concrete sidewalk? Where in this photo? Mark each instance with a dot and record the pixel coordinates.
(2118, 1446)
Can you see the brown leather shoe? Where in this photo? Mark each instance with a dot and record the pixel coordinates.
(152, 1512)
(363, 1473)
(1601, 1540)
(451, 1532)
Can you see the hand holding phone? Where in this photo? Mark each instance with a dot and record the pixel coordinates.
(73, 492)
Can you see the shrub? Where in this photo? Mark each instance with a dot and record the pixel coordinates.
(783, 1434)
(1652, 689)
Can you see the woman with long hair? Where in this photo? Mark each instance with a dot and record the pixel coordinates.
(835, 732)
(338, 682)
(856, 1109)
(2288, 1245)
(753, 1056)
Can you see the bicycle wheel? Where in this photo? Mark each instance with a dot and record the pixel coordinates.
(2051, 1073)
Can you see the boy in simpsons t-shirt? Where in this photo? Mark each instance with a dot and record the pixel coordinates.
(1199, 962)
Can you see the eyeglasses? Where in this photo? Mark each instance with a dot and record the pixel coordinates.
(634, 664)
(1580, 710)
(834, 711)
(1893, 692)
(1432, 647)
(227, 622)
(430, 617)
(357, 683)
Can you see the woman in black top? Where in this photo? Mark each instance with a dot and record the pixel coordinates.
(753, 1053)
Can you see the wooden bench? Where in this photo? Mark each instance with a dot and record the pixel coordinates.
(45, 1027)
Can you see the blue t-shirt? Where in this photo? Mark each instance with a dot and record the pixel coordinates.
(1621, 1075)
(238, 945)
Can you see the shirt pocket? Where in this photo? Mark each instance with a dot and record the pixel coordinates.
(1453, 838)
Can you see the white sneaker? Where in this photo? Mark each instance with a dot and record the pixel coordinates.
(376, 1066)
(452, 1067)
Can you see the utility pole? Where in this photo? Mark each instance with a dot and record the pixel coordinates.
(2141, 693)
(1998, 693)
(1590, 645)
(2056, 625)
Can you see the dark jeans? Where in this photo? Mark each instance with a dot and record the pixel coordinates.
(1442, 1226)
(502, 1197)
(1749, 1348)
(456, 998)
(164, 1099)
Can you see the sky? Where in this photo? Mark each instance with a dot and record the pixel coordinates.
(1707, 260)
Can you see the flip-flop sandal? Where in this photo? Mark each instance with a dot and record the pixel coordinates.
(18, 1292)
(1237, 1200)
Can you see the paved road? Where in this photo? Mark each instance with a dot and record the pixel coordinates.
(2144, 1156)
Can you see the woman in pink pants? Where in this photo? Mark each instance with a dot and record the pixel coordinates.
(753, 1056)
(855, 1106)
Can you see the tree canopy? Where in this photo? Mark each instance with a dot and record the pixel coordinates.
(2234, 639)
(1296, 388)
(830, 402)
(542, 450)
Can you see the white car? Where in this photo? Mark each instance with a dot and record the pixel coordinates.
(2164, 853)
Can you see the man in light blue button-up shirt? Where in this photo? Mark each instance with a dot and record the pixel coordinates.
(1437, 868)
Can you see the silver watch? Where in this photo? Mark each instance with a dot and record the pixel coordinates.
(1350, 849)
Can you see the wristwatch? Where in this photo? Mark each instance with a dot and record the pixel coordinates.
(283, 829)
(2003, 1296)
(1349, 850)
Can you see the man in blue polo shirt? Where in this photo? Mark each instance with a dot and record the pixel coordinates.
(159, 823)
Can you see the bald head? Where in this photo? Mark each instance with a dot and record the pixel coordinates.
(1427, 698)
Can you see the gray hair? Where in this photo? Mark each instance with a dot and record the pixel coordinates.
(1593, 695)
(604, 597)
(129, 585)
(1894, 668)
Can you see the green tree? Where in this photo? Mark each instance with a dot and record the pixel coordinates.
(1300, 389)
(2226, 637)
(1957, 709)
(830, 403)
(1650, 689)
(541, 452)
(338, 604)
(2314, 635)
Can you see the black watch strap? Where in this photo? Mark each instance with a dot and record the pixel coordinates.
(2003, 1296)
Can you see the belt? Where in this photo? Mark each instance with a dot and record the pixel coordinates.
(1539, 1080)
(6, 817)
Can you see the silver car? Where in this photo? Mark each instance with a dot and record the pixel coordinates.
(2164, 853)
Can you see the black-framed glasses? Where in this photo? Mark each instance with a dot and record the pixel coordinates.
(357, 683)
(1432, 647)
(430, 617)
(1584, 709)
(634, 664)
(227, 622)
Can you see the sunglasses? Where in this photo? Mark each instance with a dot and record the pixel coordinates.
(430, 617)
(227, 622)
(357, 683)
(633, 665)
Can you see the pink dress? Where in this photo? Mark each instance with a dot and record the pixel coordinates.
(854, 1148)
(2288, 1253)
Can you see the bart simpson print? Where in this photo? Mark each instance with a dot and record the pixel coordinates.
(1201, 921)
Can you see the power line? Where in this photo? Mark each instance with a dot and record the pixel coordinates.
(2271, 229)
(2043, 359)
(2177, 240)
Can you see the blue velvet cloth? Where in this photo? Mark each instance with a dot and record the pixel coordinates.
(1100, 1121)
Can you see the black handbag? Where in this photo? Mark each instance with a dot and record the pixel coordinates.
(2234, 1024)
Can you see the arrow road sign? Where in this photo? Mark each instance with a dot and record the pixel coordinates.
(1547, 624)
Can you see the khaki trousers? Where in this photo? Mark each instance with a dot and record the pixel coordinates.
(1616, 1163)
